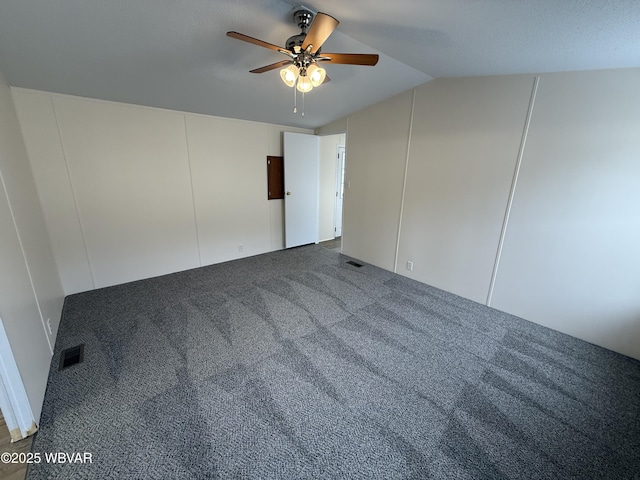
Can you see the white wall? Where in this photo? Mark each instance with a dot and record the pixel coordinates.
(51, 174)
(377, 142)
(229, 187)
(570, 258)
(30, 290)
(130, 174)
(328, 157)
(131, 192)
(464, 144)
(334, 128)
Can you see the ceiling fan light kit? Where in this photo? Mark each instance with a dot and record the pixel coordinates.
(316, 74)
(304, 84)
(301, 70)
(289, 75)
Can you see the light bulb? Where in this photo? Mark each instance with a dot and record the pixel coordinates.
(304, 84)
(316, 74)
(289, 75)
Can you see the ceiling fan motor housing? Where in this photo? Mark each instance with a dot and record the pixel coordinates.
(303, 19)
(295, 41)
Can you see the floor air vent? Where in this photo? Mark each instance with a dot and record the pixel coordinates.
(71, 356)
(355, 264)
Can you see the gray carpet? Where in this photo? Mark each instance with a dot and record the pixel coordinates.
(297, 365)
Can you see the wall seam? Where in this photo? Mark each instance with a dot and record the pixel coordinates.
(193, 194)
(73, 193)
(514, 183)
(404, 183)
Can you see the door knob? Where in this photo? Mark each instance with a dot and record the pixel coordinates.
(288, 193)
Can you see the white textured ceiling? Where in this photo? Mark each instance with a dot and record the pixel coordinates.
(174, 53)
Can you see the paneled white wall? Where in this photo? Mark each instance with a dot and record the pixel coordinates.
(464, 145)
(51, 174)
(377, 140)
(131, 192)
(30, 290)
(130, 173)
(229, 187)
(570, 258)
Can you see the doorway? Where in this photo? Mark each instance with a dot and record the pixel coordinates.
(332, 190)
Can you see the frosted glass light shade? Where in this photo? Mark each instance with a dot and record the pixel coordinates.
(304, 84)
(316, 74)
(289, 75)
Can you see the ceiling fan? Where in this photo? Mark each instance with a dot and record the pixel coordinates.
(302, 68)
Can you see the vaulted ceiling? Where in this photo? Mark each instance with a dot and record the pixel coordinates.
(174, 53)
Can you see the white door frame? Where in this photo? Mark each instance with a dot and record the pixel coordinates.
(14, 402)
(338, 203)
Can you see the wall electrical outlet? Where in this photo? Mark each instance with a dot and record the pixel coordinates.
(49, 326)
(409, 265)
(240, 247)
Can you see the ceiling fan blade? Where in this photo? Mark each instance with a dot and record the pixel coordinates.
(273, 66)
(349, 58)
(255, 41)
(323, 25)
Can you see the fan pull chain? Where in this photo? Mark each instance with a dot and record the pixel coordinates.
(303, 104)
(295, 98)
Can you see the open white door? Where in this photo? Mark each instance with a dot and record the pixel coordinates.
(302, 187)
